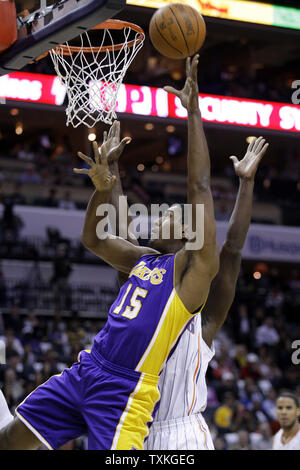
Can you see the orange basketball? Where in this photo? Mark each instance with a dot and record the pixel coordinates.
(177, 31)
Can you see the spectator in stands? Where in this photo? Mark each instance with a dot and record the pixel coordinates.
(243, 418)
(266, 333)
(243, 441)
(51, 200)
(220, 443)
(244, 331)
(25, 152)
(240, 357)
(61, 271)
(13, 344)
(3, 290)
(16, 196)
(224, 414)
(14, 321)
(30, 175)
(269, 405)
(11, 223)
(228, 384)
(252, 368)
(67, 203)
(13, 388)
(265, 441)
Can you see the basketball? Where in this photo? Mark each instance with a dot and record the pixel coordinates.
(177, 31)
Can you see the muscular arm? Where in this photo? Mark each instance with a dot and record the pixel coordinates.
(114, 250)
(117, 192)
(202, 263)
(123, 224)
(222, 289)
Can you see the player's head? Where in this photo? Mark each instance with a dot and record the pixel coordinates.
(168, 232)
(287, 409)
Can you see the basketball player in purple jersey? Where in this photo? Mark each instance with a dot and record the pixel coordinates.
(178, 422)
(111, 393)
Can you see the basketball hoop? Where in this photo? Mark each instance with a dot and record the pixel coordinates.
(93, 74)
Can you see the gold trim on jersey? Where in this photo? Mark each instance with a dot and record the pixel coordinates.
(132, 427)
(172, 323)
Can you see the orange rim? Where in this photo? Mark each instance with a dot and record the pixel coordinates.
(109, 24)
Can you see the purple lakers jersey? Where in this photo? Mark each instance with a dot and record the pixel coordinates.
(146, 319)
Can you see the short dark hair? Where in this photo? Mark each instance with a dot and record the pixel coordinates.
(290, 395)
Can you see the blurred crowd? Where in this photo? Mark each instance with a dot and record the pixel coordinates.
(252, 363)
(49, 164)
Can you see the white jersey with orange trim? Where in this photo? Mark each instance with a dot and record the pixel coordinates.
(5, 415)
(293, 443)
(178, 423)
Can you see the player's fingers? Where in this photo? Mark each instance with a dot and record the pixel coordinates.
(81, 171)
(195, 66)
(123, 143)
(118, 130)
(170, 89)
(259, 146)
(88, 160)
(263, 151)
(103, 154)
(104, 137)
(234, 159)
(188, 66)
(113, 180)
(257, 143)
(251, 145)
(96, 152)
(114, 128)
(111, 131)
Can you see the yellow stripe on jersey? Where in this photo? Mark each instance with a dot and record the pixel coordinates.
(132, 428)
(172, 323)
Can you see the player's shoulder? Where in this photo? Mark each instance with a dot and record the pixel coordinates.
(276, 440)
(278, 434)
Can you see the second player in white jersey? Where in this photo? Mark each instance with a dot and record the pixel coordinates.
(288, 414)
(178, 422)
(293, 443)
(183, 379)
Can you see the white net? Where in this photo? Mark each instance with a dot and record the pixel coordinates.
(93, 78)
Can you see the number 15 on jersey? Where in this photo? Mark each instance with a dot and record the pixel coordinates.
(131, 305)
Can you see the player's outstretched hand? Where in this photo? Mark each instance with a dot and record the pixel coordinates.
(189, 94)
(99, 171)
(111, 143)
(247, 167)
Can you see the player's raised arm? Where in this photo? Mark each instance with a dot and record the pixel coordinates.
(223, 286)
(201, 263)
(114, 250)
(122, 223)
(115, 149)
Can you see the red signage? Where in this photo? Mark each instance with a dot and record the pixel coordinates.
(217, 109)
(32, 87)
(149, 101)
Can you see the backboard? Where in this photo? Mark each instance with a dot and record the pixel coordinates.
(50, 26)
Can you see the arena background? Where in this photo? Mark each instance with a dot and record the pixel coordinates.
(54, 294)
